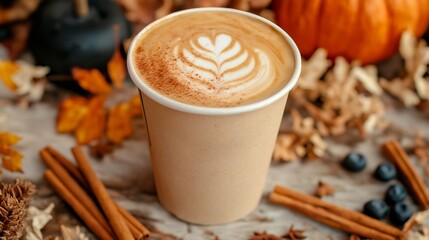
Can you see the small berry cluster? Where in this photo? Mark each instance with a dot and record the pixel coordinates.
(400, 212)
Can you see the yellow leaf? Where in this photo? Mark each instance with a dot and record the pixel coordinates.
(119, 123)
(136, 106)
(71, 112)
(116, 69)
(12, 161)
(93, 124)
(7, 70)
(8, 139)
(91, 80)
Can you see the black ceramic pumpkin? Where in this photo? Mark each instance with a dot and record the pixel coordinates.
(61, 39)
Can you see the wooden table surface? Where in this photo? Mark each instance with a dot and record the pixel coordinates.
(127, 174)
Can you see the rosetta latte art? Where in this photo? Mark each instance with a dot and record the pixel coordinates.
(223, 65)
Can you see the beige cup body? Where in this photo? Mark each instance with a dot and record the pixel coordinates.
(211, 169)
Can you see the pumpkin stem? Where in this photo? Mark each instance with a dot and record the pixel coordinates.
(81, 7)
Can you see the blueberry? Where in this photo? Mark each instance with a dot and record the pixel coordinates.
(400, 213)
(395, 194)
(354, 162)
(376, 209)
(385, 172)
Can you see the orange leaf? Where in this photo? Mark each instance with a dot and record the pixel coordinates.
(7, 70)
(119, 125)
(91, 80)
(93, 124)
(8, 139)
(116, 69)
(136, 106)
(71, 112)
(12, 161)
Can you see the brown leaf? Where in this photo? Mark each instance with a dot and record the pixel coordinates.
(116, 65)
(7, 70)
(323, 189)
(101, 148)
(264, 236)
(93, 124)
(91, 80)
(70, 114)
(294, 234)
(119, 123)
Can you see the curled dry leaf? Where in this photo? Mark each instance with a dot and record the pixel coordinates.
(91, 80)
(11, 158)
(414, 86)
(73, 233)
(342, 97)
(302, 141)
(119, 124)
(36, 220)
(23, 79)
(416, 227)
(323, 189)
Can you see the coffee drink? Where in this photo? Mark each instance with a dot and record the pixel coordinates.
(214, 84)
(214, 59)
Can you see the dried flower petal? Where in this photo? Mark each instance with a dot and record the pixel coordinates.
(12, 160)
(119, 124)
(91, 80)
(36, 220)
(73, 233)
(8, 139)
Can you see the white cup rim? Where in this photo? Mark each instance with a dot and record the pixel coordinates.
(201, 110)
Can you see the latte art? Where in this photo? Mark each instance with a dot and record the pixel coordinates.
(214, 59)
(222, 65)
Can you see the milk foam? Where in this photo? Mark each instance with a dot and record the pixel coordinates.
(214, 62)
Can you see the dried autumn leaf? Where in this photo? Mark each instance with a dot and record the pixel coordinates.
(116, 69)
(8, 139)
(116, 65)
(7, 70)
(91, 80)
(71, 112)
(93, 124)
(12, 160)
(119, 123)
(136, 107)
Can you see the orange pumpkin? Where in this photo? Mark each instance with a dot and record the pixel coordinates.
(365, 30)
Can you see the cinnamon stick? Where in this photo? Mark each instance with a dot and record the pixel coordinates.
(116, 220)
(135, 226)
(340, 211)
(331, 219)
(408, 174)
(69, 166)
(77, 206)
(75, 189)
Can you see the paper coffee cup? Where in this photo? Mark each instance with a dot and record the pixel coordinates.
(210, 164)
